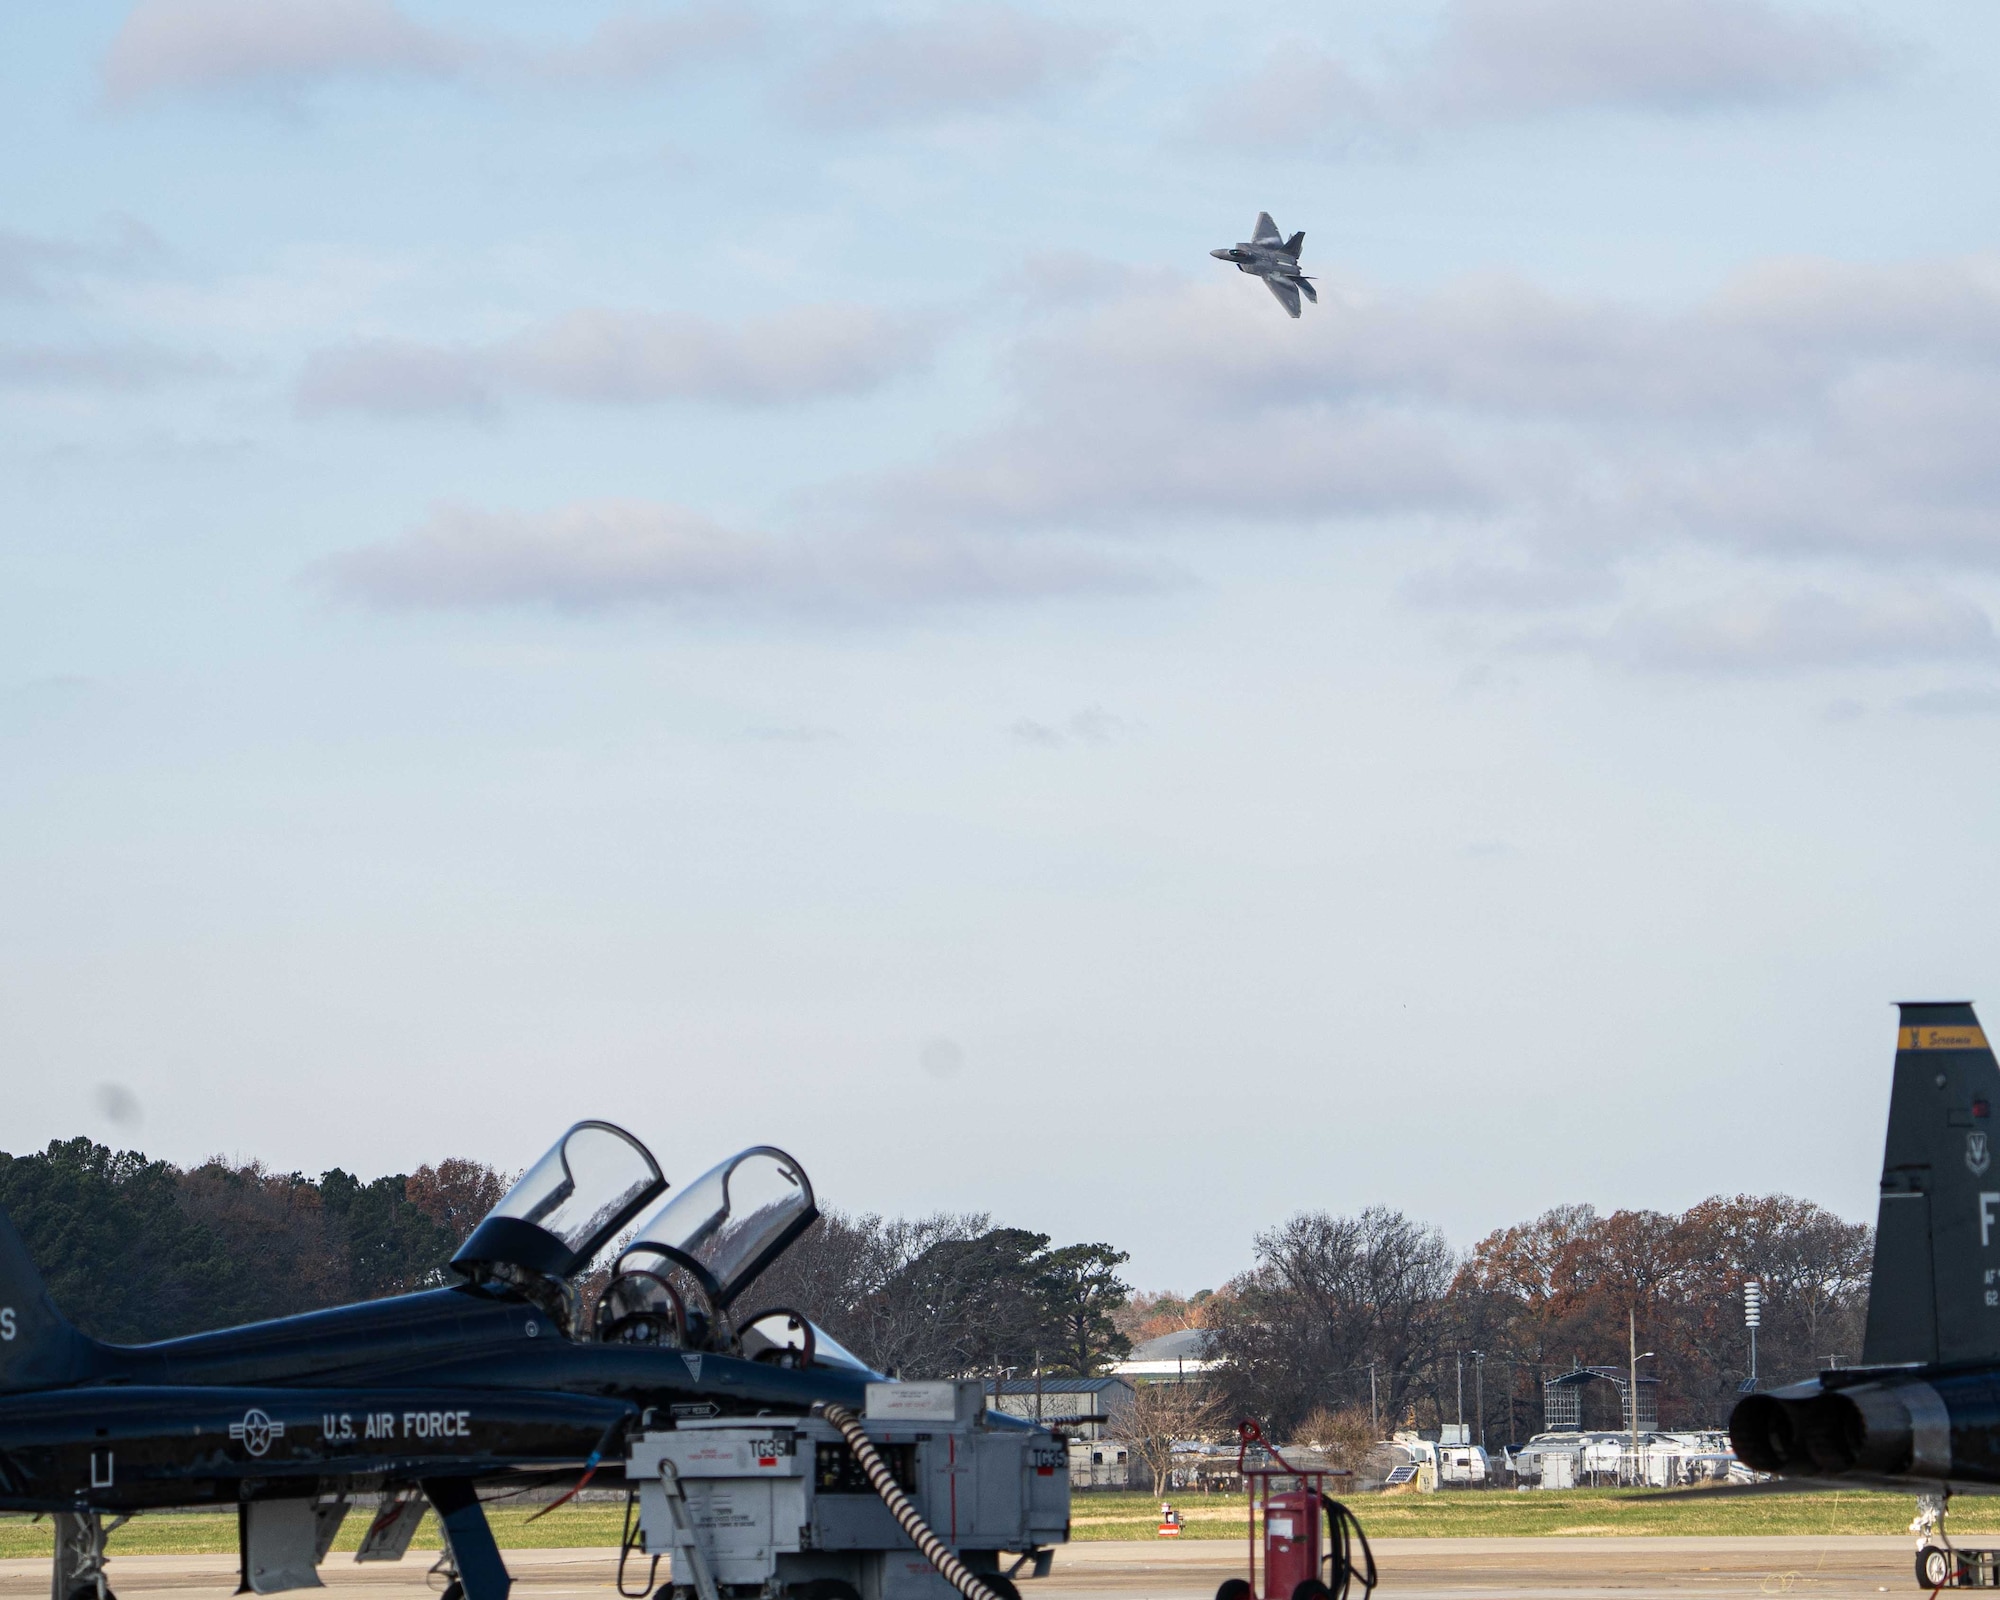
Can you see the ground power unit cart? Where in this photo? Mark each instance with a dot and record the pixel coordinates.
(926, 1496)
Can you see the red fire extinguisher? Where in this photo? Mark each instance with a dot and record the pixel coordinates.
(1313, 1547)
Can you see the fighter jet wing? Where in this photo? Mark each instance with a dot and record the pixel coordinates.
(1266, 231)
(1287, 293)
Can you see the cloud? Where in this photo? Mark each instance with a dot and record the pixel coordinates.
(201, 46)
(33, 267)
(1516, 58)
(627, 358)
(1538, 454)
(261, 47)
(120, 367)
(640, 47)
(969, 59)
(1755, 633)
(396, 377)
(1519, 57)
(1807, 407)
(599, 554)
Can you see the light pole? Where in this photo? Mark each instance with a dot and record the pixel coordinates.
(1459, 1357)
(1753, 1314)
(1632, 1382)
(1479, 1392)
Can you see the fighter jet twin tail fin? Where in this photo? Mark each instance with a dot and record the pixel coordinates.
(1266, 232)
(1935, 1293)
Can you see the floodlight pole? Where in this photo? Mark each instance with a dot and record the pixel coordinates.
(1374, 1410)
(1632, 1333)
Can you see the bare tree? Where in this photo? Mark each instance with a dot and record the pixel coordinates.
(1329, 1297)
(1344, 1437)
(859, 1278)
(1161, 1414)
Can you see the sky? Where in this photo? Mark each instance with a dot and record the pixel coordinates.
(740, 569)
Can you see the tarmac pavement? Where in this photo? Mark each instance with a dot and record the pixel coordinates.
(1412, 1569)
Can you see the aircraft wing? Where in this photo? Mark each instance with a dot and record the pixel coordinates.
(1266, 231)
(1287, 293)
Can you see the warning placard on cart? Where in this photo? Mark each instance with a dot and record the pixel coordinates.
(961, 1400)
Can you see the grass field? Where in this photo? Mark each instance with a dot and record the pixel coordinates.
(1500, 1513)
(1493, 1514)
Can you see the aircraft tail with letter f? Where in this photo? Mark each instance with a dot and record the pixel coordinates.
(1935, 1294)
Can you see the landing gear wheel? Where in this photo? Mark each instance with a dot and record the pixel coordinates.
(1234, 1589)
(825, 1589)
(88, 1591)
(1003, 1587)
(1311, 1589)
(1936, 1569)
(453, 1591)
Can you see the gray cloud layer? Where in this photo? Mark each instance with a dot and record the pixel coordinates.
(966, 59)
(600, 554)
(167, 47)
(1511, 58)
(627, 358)
(1548, 446)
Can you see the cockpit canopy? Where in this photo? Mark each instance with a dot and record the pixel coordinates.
(728, 1225)
(676, 1278)
(566, 1207)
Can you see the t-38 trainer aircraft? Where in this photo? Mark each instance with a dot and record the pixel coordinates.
(1271, 256)
(1922, 1411)
(501, 1379)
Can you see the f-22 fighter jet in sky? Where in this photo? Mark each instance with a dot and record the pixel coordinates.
(1274, 258)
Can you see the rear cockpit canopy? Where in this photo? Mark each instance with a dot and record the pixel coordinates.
(728, 1225)
(565, 1208)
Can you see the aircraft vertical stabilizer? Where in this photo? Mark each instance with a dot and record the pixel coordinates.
(38, 1347)
(1935, 1294)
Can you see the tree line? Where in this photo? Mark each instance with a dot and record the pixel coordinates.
(1341, 1325)
(134, 1249)
(1375, 1313)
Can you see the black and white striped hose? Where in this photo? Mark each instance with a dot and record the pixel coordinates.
(908, 1517)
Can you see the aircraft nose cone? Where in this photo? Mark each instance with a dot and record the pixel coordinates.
(1220, 255)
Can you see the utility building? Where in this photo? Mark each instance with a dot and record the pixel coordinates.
(1083, 1409)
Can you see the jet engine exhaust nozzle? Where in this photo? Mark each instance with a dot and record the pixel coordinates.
(1887, 1429)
